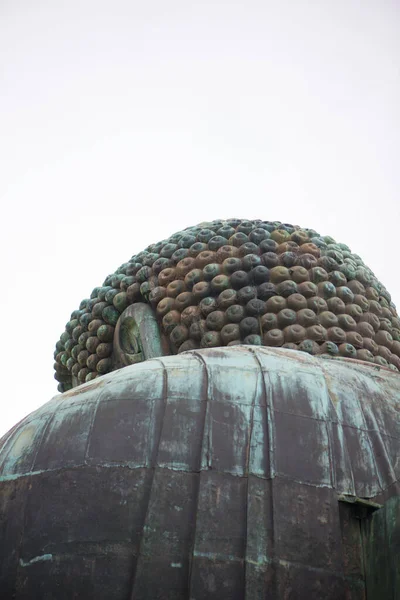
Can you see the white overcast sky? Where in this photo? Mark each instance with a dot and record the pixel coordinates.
(122, 122)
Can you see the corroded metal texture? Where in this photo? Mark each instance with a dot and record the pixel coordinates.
(212, 474)
(230, 282)
(382, 554)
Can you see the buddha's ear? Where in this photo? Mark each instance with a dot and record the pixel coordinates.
(137, 336)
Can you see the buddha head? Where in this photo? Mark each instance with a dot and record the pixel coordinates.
(226, 283)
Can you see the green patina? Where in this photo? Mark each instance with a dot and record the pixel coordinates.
(234, 282)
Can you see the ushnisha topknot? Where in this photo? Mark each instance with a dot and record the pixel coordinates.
(239, 282)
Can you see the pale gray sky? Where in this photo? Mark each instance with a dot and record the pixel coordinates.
(122, 122)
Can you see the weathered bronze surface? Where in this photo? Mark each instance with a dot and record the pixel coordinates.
(216, 474)
(195, 454)
(382, 556)
(238, 282)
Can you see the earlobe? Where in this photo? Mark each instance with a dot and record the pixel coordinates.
(137, 336)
